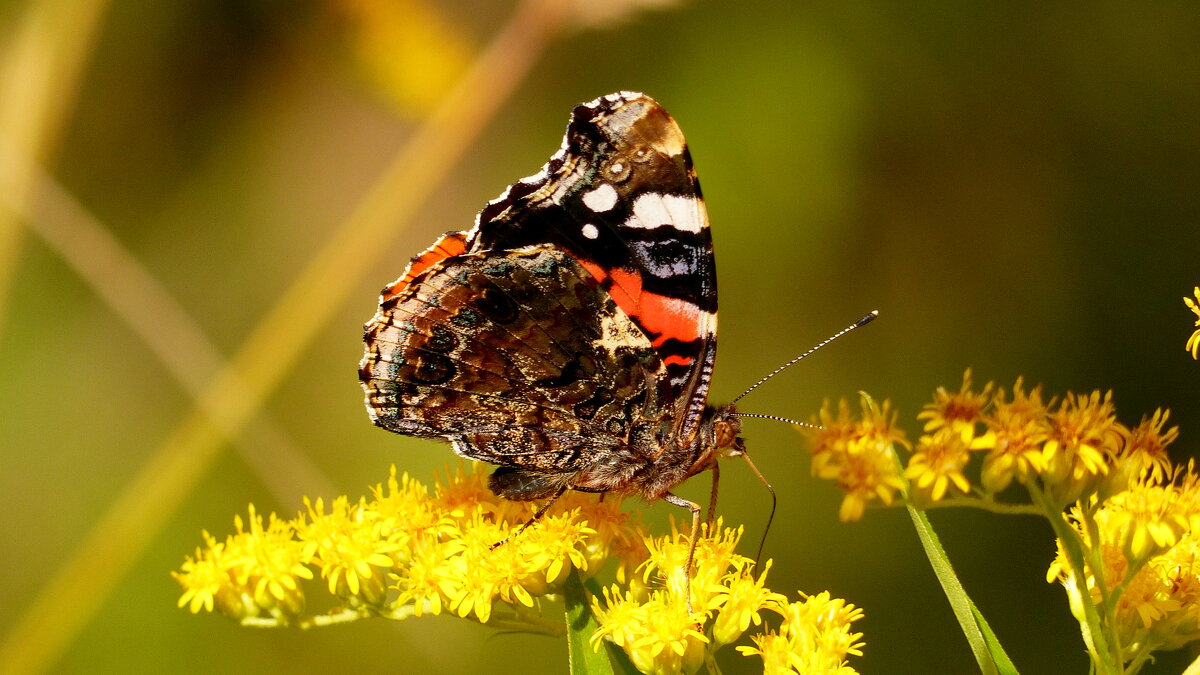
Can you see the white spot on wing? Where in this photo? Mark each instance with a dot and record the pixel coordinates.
(590, 231)
(601, 199)
(655, 209)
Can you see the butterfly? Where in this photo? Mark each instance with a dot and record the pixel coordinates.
(569, 336)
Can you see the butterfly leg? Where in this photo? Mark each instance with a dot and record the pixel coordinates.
(538, 516)
(687, 566)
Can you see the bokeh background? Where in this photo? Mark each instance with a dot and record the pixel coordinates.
(1015, 186)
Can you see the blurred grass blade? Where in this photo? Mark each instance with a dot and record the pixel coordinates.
(85, 579)
(43, 56)
(134, 295)
(989, 654)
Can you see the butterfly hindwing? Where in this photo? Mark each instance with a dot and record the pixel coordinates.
(520, 360)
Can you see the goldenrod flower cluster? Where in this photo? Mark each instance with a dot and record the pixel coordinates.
(1071, 447)
(1141, 549)
(410, 551)
(1126, 516)
(404, 552)
(650, 619)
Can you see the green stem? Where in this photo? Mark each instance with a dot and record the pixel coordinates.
(980, 503)
(1091, 626)
(1108, 596)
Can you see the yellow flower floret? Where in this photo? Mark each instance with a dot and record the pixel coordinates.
(859, 454)
(938, 463)
(659, 635)
(653, 626)
(959, 411)
(1145, 449)
(1193, 343)
(350, 547)
(814, 637)
(255, 572)
(1084, 437)
(1015, 433)
(742, 601)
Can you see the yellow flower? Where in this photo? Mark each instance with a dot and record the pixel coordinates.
(665, 565)
(814, 637)
(959, 411)
(776, 653)
(1193, 343)
(939, 461)
(1145, 449)
(401, 553)
(742, 601)
(553, 549)
(206, 581)
(1084, 437)
(651, 622)
(351, 548)
(271, 563)
(405, 552)
(615, 532)
(462, 491)
(430, 575)
(409, 515)
(858, 454)
(1179, 573)
(1015, 433)
(489, 573)
(659, 635)
(253, 573)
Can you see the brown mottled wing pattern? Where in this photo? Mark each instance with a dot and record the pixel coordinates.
(519, 359)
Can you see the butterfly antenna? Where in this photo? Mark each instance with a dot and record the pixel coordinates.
(777, 418)
(861, 322)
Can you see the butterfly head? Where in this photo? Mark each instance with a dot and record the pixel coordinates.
(726, 425)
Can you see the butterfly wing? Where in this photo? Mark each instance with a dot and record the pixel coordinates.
(621, 196)
(570, 335)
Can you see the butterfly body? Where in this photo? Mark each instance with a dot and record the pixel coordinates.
(569, 337)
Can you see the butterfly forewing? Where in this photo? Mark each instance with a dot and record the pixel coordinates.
(622, 196)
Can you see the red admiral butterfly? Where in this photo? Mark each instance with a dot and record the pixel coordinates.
(569, 336)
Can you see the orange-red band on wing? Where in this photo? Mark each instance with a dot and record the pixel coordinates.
(660, 315)
(452, 244)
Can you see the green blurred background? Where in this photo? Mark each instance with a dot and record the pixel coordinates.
(1016, 187)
